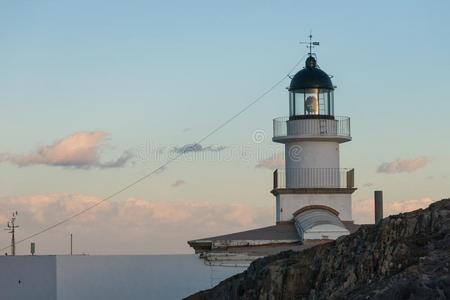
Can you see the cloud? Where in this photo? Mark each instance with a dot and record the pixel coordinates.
(363, 210)
(41, 209)
(178, 183)
(405, 165)
(139, 210)
(276, 161)
(197, 148)
(150, 226)
(79, 150)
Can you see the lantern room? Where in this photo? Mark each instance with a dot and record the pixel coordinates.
(311, 93)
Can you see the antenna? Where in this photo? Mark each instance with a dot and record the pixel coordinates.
(311, 44)
(11, 227)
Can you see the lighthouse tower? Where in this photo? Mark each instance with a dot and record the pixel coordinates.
(313, 191)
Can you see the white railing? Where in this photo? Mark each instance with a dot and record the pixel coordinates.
(313, 178)
(336, 127)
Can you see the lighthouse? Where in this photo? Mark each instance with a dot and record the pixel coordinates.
(313, 193)
(313, 190)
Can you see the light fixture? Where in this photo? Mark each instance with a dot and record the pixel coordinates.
(312, 105)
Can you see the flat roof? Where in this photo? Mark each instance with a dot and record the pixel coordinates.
(281, 231)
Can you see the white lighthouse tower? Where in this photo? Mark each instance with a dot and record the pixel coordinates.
(313, 191)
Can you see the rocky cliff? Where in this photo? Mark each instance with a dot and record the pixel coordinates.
(406, 256)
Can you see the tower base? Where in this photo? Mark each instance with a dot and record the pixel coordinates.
(289, 201)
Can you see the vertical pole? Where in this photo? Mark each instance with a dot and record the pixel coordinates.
(13, 241)
(351, 178)
(11, 227)
(378, 206)
(71, 244)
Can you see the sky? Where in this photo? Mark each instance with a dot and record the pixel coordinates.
(96, 94)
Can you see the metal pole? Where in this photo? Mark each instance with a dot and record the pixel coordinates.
(378, 206)
(11, 227)
(71, 244)
(13, 242)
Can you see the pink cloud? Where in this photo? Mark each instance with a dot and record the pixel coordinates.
(4, 217)
(78, 150)
(140, 211)
(199, 213)
(405, 165)
(273, 162)
(114, 225)
(240, 213)
(363, 210)
(43, 208)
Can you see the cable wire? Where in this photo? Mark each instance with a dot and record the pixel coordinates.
(161, 167)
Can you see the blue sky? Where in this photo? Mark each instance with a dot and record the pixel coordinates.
(166, 73)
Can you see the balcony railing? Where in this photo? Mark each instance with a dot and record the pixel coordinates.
(337, 127)
(313, 178)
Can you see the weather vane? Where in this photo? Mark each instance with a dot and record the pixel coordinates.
(310, 45)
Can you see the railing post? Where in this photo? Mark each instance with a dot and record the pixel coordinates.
(275, 179)
(349, 128)
(351, 178)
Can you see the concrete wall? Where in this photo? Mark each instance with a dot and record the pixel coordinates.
(277, 208)
(37, 276)
(290, 203)
(312, 154)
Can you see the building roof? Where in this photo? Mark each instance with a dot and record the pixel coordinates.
(280, 231)
(270, 239)
(308, 207)
(311, 77)
(313, 217)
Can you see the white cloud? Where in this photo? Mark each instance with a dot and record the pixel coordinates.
(403, 165)
(79, 150)
(363, 210)
(273, 162)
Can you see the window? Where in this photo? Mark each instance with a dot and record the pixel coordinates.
(311, 102)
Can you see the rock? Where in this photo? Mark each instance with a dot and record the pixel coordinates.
(402, 257)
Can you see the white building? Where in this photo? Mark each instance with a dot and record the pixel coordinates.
(313, 193)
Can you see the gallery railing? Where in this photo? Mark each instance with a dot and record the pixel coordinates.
(313, 178)
(337, 127)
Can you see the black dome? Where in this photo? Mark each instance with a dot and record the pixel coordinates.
(311, 77)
